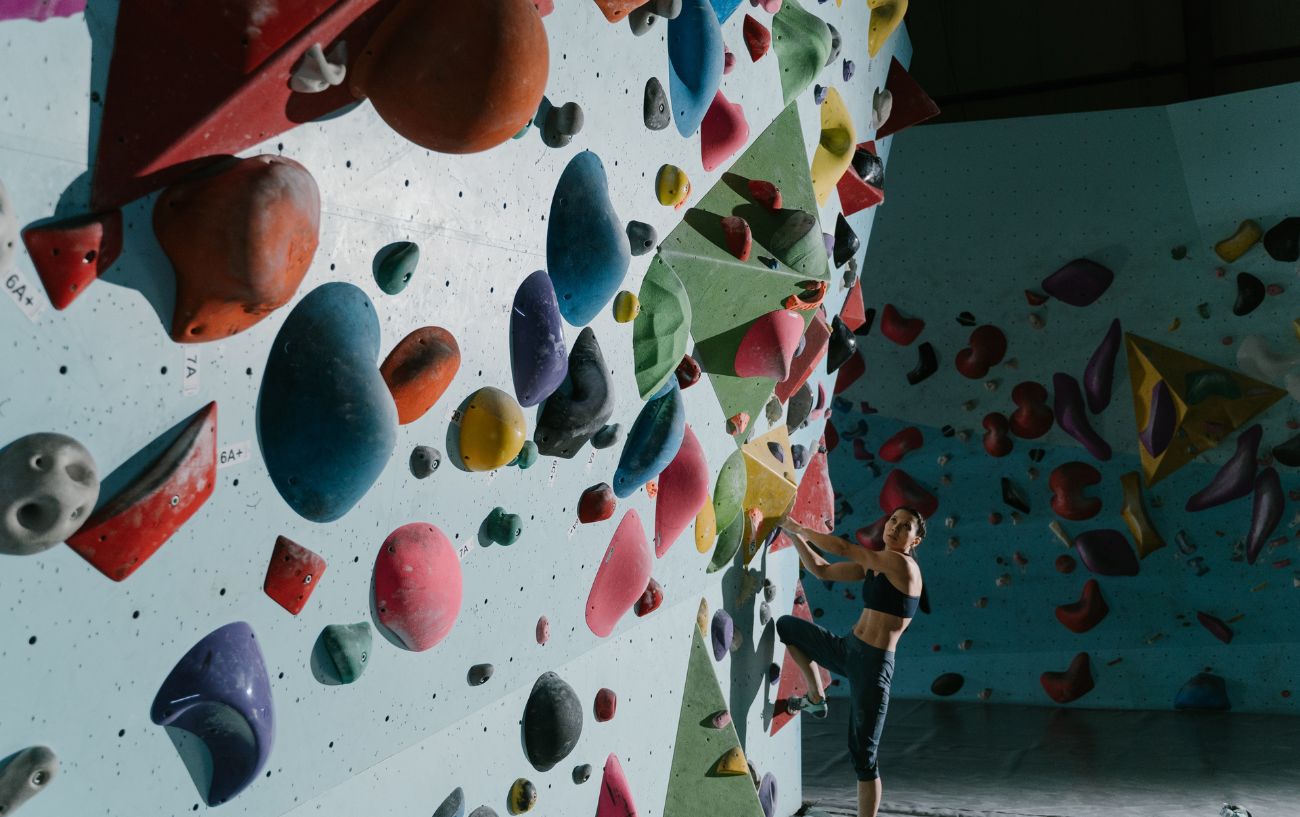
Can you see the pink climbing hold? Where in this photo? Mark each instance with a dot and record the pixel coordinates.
(650, 599)
(417, 585)
(606, 705)
(543, 632)
(615, 793)
(769, 345)
(683, 490)
(872, 537)
(736, 232)
(723, 132)
(898, 446)
(901, 491)
(758, 39)
(622, 577)
(816, 341)
(899, 329)
(814, 502)
(39, 10)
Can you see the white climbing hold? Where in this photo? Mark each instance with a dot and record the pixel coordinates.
(319, 72)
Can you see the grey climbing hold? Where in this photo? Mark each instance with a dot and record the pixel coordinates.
(882, 105)
(552, 721)
(348, 647)
(25, 776)
(394, 266)
(479, 674)
(581, 405)
(774, 410)
(48, 487)
(581, 774)
(562, 124)
(641, 19)
(799, 407)
(836, 44)
(483, 811)
(642, 237)
(764, 614)
(607, 436)
(453, 806)
(425, 460)
(654, 109)
(798, 456)
(769, 590)
(819, 93)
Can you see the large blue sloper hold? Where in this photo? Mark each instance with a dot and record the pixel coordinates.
(695, 58)
(653, 441)
(326, 421)
(587, 251)
(539, 359)
(219, 692)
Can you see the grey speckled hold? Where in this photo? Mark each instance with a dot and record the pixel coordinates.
(799, 407)
(26, 776)
(581, 774)
(882, 105)
(642, 19)
(479, 674)
(562, 124)
(836, 44)
(607, 436)
(769, 590)
(642, 237)
(774, 410)
(425, 460)
(48, 487)
(453, 806)
(764, 614)
(654, 109)
(483, 811)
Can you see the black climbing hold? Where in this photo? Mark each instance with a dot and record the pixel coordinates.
(642, 237)
(607, 436)
(552, 722)
(865, 329)
(581, 774)
(1288, 453)
(966, 319)
(947, 431)
(777, 451)
(842, 345)
(479, 674)
(927, 363)
(868, 165)
(1250, 294)
(846, 241)
(1013, 496)
(654, 108)
(799, 407)
(1282, 241)
(581, 405)
(770, 263)
(1037, 454)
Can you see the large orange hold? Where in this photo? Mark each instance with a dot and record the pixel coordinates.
(455, 76)
(241, 241)
(419, 370)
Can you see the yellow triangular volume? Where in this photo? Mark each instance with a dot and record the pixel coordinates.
(772, 483)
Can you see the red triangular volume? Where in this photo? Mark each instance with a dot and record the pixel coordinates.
(814, 503)
(70, 254)
(912, 105)
(190, 82)
(792, 681)
(856, 194)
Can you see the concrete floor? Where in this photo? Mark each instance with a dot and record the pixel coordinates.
(948, 759)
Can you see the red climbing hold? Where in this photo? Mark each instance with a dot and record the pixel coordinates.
(758, 39)
(606, 704)
(596, 503)
(735, 231)
(1067, 483)
(1070, 685)
(901, 491)
(912, 105)
(1033, 417)
(898, 446)
(723, 131)
(856, 193)
(814, 502)
(997, 435)
(769, 344)
(872, 537)
(70, 254)
(816, 340)
(765, 193)
(897, 328)
(1086, 613)
(1065, 564)
(854, 313)
(683, 490)
(850, 372)
(1217, 627)
(985, 349)
(688, 372)
(292, 575)
(650, 599)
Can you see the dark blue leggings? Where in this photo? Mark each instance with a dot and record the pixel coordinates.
(869, 670)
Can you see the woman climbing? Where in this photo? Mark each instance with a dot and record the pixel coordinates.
(891, 590)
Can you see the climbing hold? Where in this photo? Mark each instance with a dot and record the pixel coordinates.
(1073, 418)
(419, 369)
(721, 632)
(909, 104)
(848, 69)
(605, 705)
(672, 186)
(985, 349)
(997, 435)
(292, 575)
(1288, 453)
(816, 339)
(901, 443)
(902, 491)
(765, 193)
(607, 436)
(158, 498)
(706, 527)
(596, 503)
(348, 403)
(650, 599)
(927, 363)
(802, 42)
(1282, 241)
(1237, 476)
(1148, 539)
(582, 403)
(950, 683)
(48, 486)
(424, 461)
(1250, 294)
(26, 775)
(395, 264)
(615, 792)
(731, 764)
(835, 147)
(1082, 615)
(1079, 283)
(769, 345)
(728, 545)
(1257, 359)
(240, 240)
(1100, 371)
(655, 112)
(626, 307)
(840, 347)
(552, 722)
(1065, 563)
(1106, 552)
(846, 243)
(492, 430)
(695, 57)
(901, 330)
(758, 39)
(68, 254)
(538, 358)
(1014, 496)
(582, 773)
(767, 791)
(653, 441)
(736, 232)
(9, 234)
(683, 491)
(542, 632)
(1162, 418)
(483, 811)
(886, 15)
(522, 796)
(348, 648)
(219, 692)
(560, 124)
(729, 489)
(796, 240)
(1074, 683)
(621, 578)
(453, 806)
(417, 585)
(455, 100)
(1032, 417)
(503, 528)
(722, 132)
(1204, 691)
(1266, 512)
(479, 674)
(661, 333)
(1216, 626)
(587, 251)
(641, 237)
(318, 72)
(527, 456)
(1236, 245)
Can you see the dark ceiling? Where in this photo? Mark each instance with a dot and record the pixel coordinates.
(982, 60)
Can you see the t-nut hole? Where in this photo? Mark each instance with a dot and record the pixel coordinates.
(35, 517)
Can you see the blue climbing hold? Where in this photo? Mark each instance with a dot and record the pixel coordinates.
(724, 9)
(653, 440)
(539, 359)
(695, 57)
(1204, 691)
(326, 421)
(587, 249)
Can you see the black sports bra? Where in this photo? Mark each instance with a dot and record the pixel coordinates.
(879, 593)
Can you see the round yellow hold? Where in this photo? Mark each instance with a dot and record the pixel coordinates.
(671, 186)
(626, 307)
(523, 796)
(706, 527)
(492, 430)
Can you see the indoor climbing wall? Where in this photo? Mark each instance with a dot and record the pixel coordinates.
(1106, 445)
(422, 446)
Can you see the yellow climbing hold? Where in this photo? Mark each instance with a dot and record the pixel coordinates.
(702, 617)
(1146, 536)
(706, 527)
(1174, 324)
(1295, 326)
(523, 796)
(1235, 245)
(732, 763)
(885, 17)
(672, 186)
(492, 430)
(835, 148)
(771, 483)
(626, 307)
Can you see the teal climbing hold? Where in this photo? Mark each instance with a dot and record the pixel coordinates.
(394, 266)
(527, 456)
(653, 440)
(587, 250)
(695, 61)
(348, 648)
(502, 527)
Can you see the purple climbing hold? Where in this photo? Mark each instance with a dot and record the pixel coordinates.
(1100, 371)
(1079, 283)
(219, 691)
(848, 70)
(1161, 421)
(1106, 552)
(722, 631)
(1266, 513)
(1235, 479)
(1073, 418)
(767, 794)
(539, 359)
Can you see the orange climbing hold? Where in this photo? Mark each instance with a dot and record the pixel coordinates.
(70, 254)
(615, 10)
(419, 370)
(1070, 685)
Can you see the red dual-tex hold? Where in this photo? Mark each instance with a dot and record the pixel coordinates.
(70, 254)
(292, 575)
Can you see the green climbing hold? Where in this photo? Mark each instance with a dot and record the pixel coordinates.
(729, 490)
(728, 544)
(348, 648)
(662, 329)
(802, 42)
(394, 266)
(503, 528)
(527, 456)
(1206, 383)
